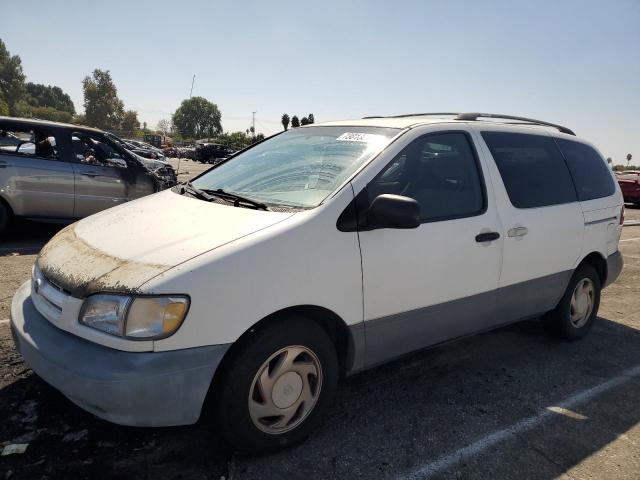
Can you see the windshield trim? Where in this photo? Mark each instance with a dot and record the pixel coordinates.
(376, 154)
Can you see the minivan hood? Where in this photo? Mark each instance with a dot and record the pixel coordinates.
(121, 248)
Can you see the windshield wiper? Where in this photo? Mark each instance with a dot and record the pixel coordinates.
(196, 192)
(236, 199)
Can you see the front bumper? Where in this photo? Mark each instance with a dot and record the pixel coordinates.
(128, 388)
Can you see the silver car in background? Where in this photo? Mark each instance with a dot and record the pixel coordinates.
(54, 171)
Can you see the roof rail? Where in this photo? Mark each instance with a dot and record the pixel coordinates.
(475, 116)
(412, 115)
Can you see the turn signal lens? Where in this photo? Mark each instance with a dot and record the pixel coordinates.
(155, 317)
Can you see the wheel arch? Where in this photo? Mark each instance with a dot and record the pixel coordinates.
(6, 203)
(328, 320)
(597, 261)
(10, 213)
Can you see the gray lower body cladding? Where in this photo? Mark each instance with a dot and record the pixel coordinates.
(395, 335)
(128, 388)
(615, 263)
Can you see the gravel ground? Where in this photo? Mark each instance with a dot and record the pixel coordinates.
(469, 409)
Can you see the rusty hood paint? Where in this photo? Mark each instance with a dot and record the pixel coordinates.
(120, 249)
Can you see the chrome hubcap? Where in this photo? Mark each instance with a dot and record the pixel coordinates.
(582, 303)
(285, 389)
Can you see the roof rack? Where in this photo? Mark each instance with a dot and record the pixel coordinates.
(476, 116)
(531, 121)
(412, 115)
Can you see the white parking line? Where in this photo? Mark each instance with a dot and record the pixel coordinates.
(479, 446)
(4, 321)
(635, 239)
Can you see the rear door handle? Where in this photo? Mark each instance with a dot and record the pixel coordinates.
(3, 164)
(487, 237)
(91, 174)
(518, 231)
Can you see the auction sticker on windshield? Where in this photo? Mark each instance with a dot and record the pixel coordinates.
(360, 137)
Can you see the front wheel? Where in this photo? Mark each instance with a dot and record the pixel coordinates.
(574, 316)
(277, 386)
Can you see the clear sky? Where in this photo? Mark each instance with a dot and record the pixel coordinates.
(573, 62)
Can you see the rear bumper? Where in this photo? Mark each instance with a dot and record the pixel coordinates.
(615, 262)
(128, 388)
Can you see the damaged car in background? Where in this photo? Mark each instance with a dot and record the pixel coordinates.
(141, 149)
(58, 172)
(152, 161)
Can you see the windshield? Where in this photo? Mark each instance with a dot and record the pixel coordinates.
(300, 167)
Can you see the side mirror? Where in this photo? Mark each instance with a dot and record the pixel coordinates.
(393, 211)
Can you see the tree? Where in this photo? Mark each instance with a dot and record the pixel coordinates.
(11, 80)
(197, 117)
(24, 109)
(629, 157)
(285, 121)
(103, 109)
(164, 127)
(40, 95)
(295, 123)
(130, 122)
(311, 118)
(46, 102)
(238, 140)
(304, 121)
(79, 119)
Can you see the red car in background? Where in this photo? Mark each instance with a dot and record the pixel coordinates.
(629, 182)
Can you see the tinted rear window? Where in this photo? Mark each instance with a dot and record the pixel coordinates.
(532, 169)
(591, 175)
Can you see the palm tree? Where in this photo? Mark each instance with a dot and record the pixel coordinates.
(295, 123)
(304, 121)
(285, 121)
(629, 157)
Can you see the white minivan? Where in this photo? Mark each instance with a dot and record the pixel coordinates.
(317, 253)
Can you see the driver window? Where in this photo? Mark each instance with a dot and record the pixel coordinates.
(94, 150)
(440, 172)
(28, 142)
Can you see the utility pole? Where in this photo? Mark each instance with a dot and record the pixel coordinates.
(192, 81)
(253, 124)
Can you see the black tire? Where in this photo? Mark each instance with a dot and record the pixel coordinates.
(232, 389)
(558, 321)
(5, 216)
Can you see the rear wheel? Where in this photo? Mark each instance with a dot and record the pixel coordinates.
(277, 387)
(574, 316)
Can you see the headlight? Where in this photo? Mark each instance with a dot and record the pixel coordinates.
(135, 317)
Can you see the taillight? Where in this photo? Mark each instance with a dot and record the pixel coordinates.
(622, 215)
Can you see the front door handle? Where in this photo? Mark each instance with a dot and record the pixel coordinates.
(91, 174)
(3, 164)
(487, 237)
(518, 231)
